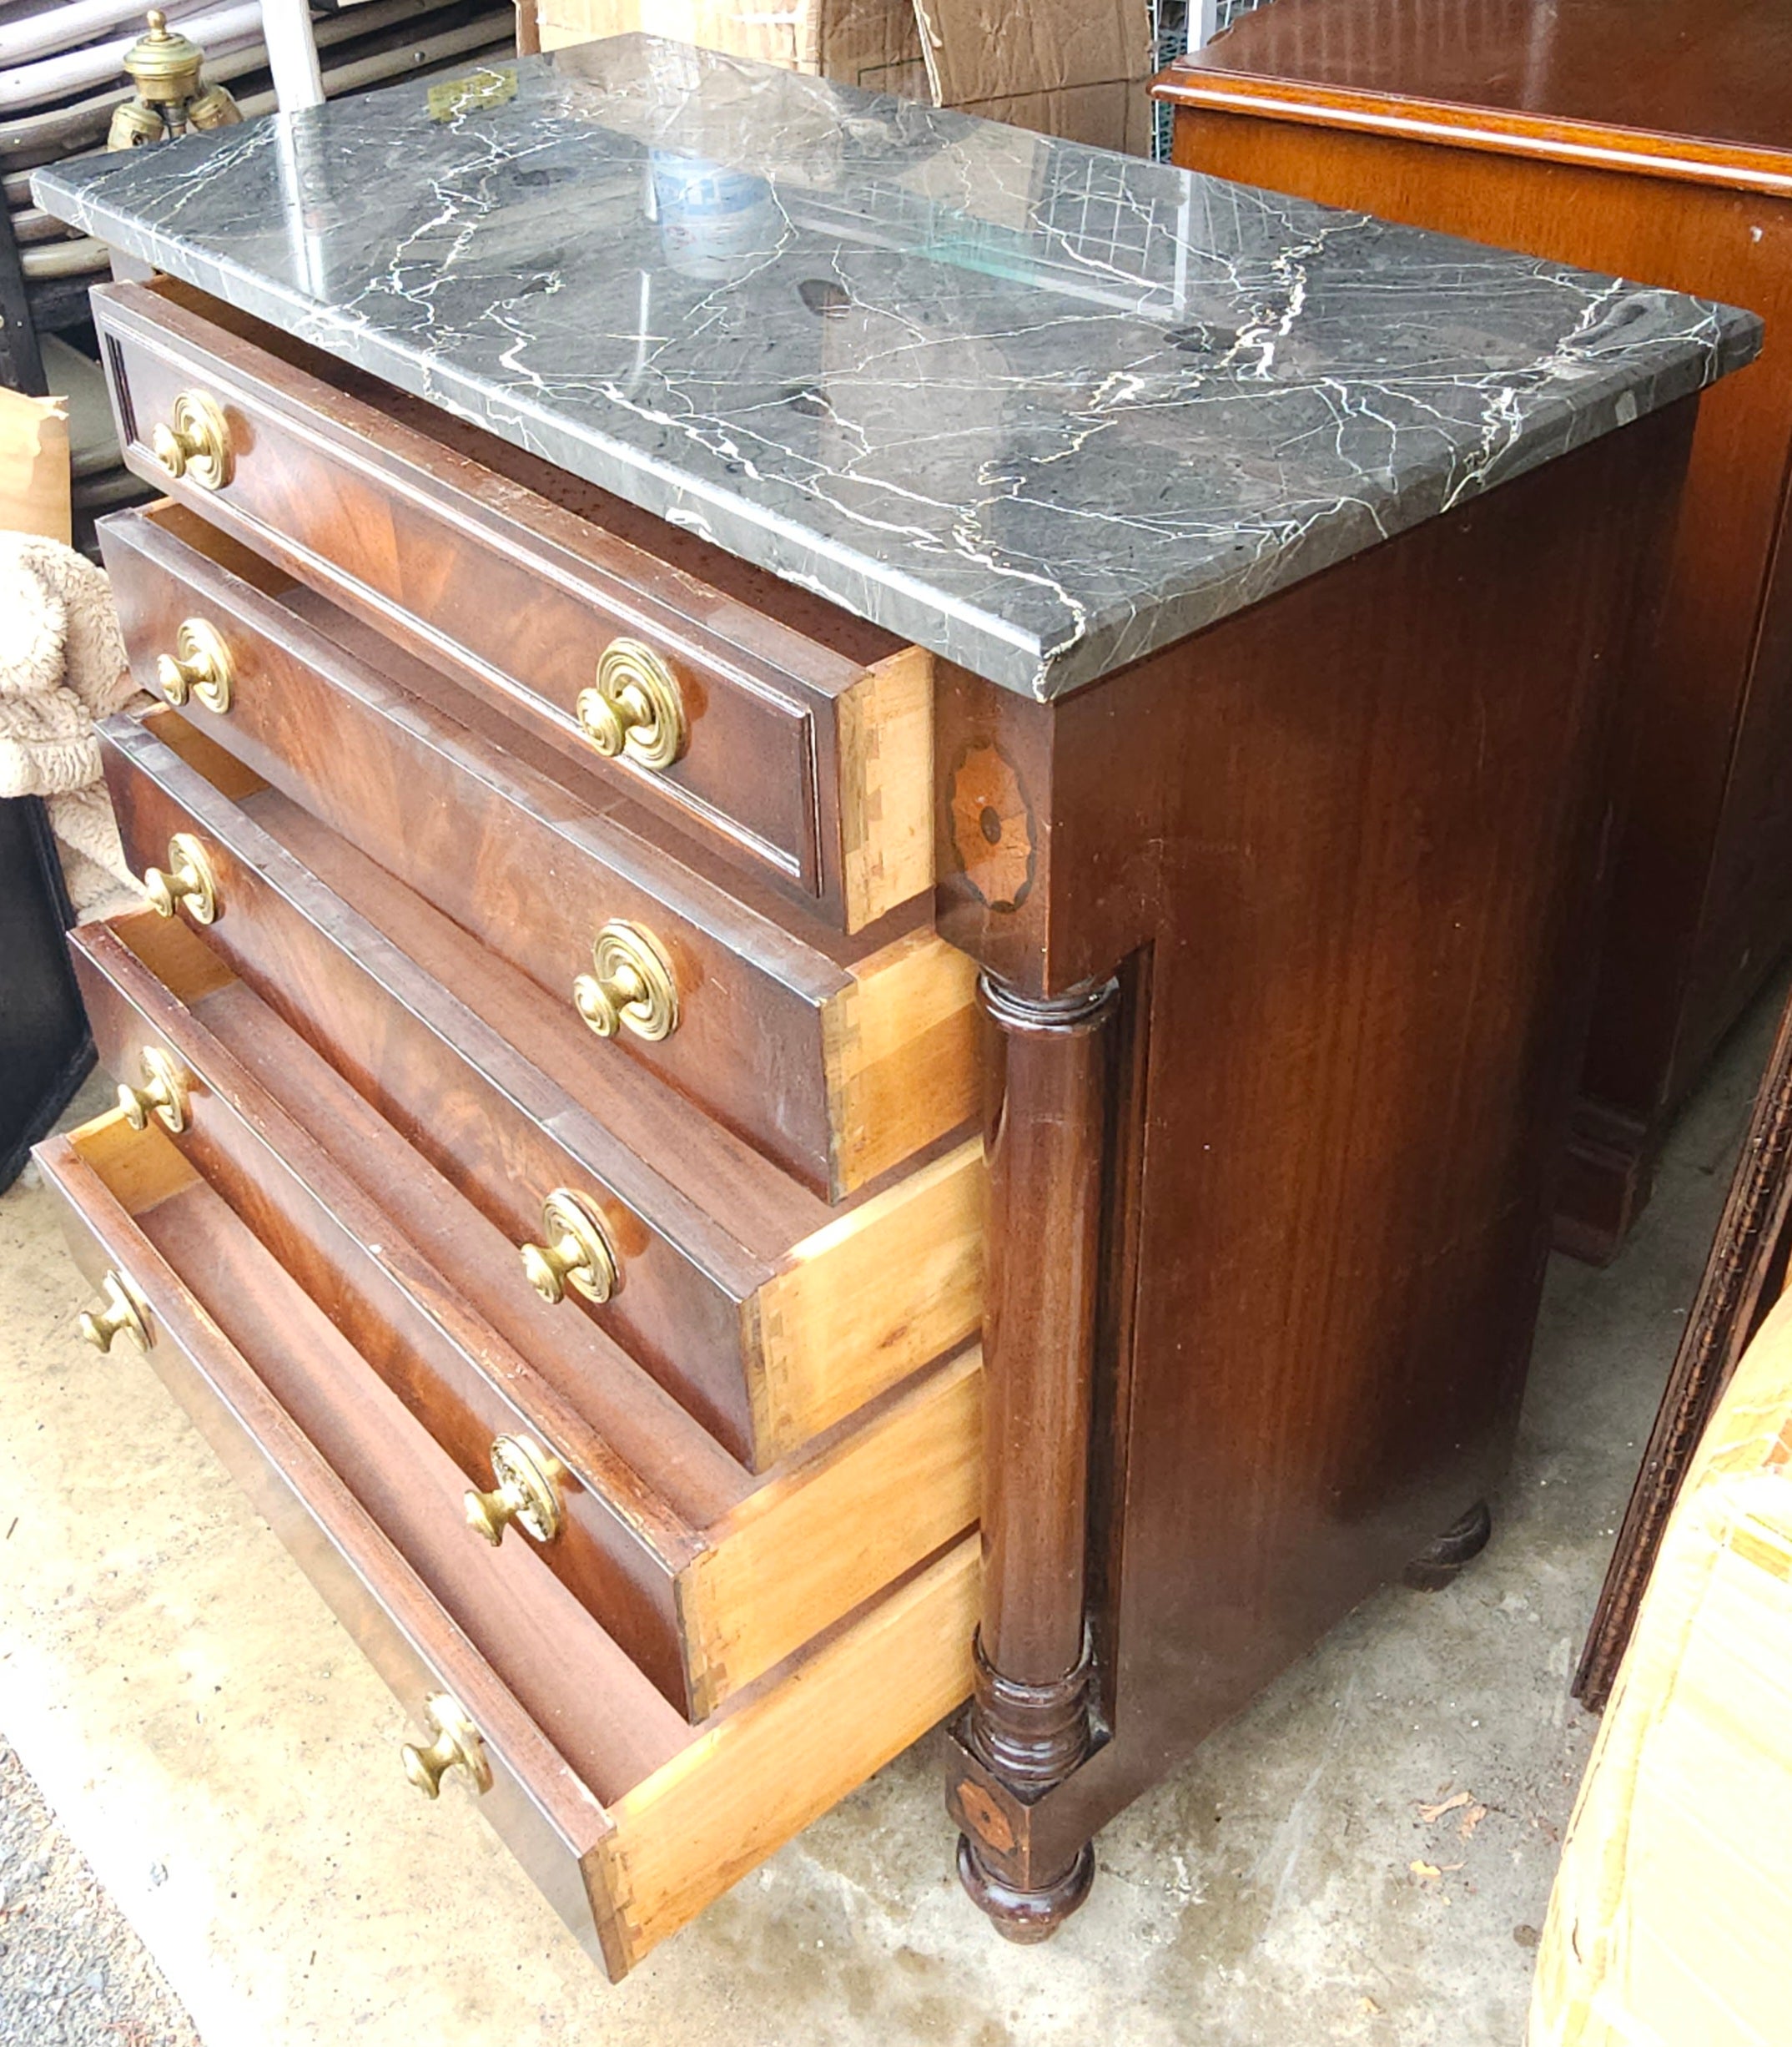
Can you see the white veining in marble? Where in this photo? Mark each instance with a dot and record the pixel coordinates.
(1039, 407)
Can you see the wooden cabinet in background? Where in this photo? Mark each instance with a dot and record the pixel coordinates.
(1654, 140)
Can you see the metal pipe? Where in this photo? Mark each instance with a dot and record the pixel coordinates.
(31, 224)
(71, 22)
(292, 54)
(64, 259)
(29, 85)
(60, 131)
(473, 39)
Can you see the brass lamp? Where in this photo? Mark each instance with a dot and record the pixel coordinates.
(164, 66)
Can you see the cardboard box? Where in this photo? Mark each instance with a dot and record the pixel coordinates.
(1055, 66)
(35, 471)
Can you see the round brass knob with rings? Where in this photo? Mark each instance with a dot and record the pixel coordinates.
(635, 706)
(199, 668)
(577, 1253)
(194, 442)
(632, 987)
(124, 1312)
(525, 1492)
(162, 1094)
(187, 879)
(458, 1745)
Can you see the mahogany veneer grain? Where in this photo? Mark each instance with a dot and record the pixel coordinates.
(837, 1063)
(769, 1315)
(705, 1576)
(809, 741)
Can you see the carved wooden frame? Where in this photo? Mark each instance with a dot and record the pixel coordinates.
(1743, 1279)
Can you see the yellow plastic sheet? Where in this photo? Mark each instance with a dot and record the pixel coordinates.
(1672, 1914)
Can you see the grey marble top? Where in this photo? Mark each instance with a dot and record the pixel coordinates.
(1040, 408)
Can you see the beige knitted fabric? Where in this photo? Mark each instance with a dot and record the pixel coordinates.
(62, 666)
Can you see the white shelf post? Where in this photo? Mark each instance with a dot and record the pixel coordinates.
(292, 54)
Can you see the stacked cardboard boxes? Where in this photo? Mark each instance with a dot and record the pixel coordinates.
(1073, 68)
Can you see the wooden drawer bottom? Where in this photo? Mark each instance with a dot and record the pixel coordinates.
(630, 1820)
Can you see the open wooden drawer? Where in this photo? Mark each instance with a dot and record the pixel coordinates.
(838, 1059)
(629, 1819)
(794, 738)
(770, 1315)
(705, 1577)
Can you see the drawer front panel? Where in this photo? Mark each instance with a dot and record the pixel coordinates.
(765, 1033)
(548, 1819)
(630, 1822)
(704, 1593)
(486, 1121)
(767, 1348)
(811, 769)
(619, 1548)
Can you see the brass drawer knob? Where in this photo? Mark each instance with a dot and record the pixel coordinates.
(187, 879)
(162, 1094)
(632, 987)
(458, 1745)
(635, 706)
(125, 1312)
(199, 668)
(577, 1253)
(524, 1493)
(194, 442)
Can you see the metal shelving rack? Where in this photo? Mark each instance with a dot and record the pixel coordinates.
(62, 78)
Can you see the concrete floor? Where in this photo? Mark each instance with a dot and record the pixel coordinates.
(72, 1973)
(1365, 1857)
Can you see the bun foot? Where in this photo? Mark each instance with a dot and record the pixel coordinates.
(1439, 1564)
(1025, 1917)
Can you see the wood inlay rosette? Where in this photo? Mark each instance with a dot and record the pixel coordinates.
(992, 828)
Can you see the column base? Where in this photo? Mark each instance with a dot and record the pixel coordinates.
(1025, 1917)
(1031, 1736)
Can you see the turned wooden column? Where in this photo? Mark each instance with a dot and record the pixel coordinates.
(1045, 1135)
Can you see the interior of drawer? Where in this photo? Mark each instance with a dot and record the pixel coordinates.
(603, 1716)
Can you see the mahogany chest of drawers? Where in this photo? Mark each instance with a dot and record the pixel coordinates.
(731, 1177)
